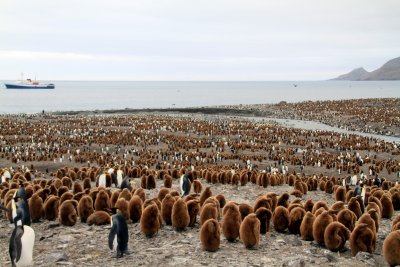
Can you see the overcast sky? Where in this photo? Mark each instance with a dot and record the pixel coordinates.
(196, 40)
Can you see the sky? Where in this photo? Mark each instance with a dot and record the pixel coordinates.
(204, 40)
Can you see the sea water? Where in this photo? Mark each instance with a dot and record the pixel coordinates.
(98, 95)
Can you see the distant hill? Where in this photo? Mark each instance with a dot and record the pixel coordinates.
(389, 71)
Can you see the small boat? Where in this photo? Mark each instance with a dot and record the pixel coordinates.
(29, 84)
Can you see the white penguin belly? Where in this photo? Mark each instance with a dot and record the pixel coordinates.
(102, 180)
(27, 240)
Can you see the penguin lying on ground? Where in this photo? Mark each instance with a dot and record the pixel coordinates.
(119, 228)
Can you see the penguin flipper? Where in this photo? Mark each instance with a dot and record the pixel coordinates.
(111, 236)
(15, 248)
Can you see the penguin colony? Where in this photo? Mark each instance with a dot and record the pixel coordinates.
(109, 195)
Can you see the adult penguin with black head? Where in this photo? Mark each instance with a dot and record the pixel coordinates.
(22, 240)
(118, 237)
(21, 201)
(185, 185)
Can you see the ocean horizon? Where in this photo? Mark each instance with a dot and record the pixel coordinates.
(100, 95)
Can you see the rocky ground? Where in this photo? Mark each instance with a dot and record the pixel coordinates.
(83, 245)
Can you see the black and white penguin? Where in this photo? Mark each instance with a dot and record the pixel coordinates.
(20, 200)
(119, 228)
(119, 177)
(126, 183)
(21, 241)
(185, 185)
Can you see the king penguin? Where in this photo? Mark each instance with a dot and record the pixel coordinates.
(21, 241)
(119, 228)
(20, 200)
(185, 185)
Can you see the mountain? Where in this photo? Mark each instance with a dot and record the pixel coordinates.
(389, 71)
(354, 75)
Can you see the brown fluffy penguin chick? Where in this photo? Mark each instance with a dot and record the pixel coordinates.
(197, 187)
(167, 181)
(340, 194)
(306, 227)
(85, 208)
(264, 215)
(77, 187)
(51, 208)
(86, 183)
(140, 192)
(36, 207)
(231, 222)
(210, 235)
(361, 202)
(98, 218)
(162, 193)
(262, 202)
(123, 205)
(373, 206)
(347, 218)
(308, 205)
(319, 226)
(274, 197)
(337, 206)
(391, 248)
(387, 206)
(375, 200)
(362, 239)
(319, 204)
(283, 200)
(102, 201)
(135, 208)
(66, 196)
(193, 209)
(214, 201)
(376, 217)
(250, 231)
(67, 213)
(166, 209)
(280, 219)
(204, 195)
(149, 222)
(125, 194)
(295, 218)
(395, 221)
(221, 199)
(208, 211)
(114, 198)
(335, 236)
(366, 219)
(245, 209)
(354, 206)
(180, 215)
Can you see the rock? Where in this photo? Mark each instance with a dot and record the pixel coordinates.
(53, 225)
(57, 257)
(330, 256)
(66, 238)
(366, 258)
(294, 262)
(293, 240)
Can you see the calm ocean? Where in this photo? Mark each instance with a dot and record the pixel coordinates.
(91, 95)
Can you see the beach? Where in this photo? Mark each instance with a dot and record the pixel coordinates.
(214, 140)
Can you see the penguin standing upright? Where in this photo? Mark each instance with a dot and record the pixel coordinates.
(20, 200)
(119, 228)
(185, 185)
(21, 241)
